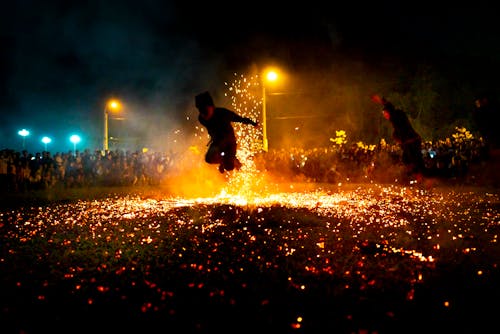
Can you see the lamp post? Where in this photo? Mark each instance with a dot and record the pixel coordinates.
(268, 76)
(23, 133)
(265, 145)
(110, 105)
(46, 140)
(75, 139)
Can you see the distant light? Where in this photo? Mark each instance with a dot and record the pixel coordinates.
(272, 76)
(75, 139)
(46, 140)
(114, 105)
(23, 132)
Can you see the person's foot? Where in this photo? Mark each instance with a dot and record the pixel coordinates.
(237, 164)
(229, 165)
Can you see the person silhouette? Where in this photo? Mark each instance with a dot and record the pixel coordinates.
(218, 122)
(405, 136)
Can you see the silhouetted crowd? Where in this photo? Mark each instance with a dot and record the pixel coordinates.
(24, 171)
(450, 159)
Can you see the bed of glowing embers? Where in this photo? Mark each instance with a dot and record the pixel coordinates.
(364, 259)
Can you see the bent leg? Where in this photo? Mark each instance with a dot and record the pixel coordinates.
(229, 162)
(229, 156)
(213, 155)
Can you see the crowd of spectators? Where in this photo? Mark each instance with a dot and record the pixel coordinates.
(24, 171)
(446, 159)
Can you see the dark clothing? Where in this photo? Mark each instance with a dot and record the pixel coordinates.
(484, 117)
(222, 149)
(403, 132)
(408, 139)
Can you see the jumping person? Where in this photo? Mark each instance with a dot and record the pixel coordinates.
(217, 121)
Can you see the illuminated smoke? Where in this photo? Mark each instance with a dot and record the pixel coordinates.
(246, 103)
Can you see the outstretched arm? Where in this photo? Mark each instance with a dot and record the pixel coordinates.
(383, 102)
(245, 120)
(378, 99)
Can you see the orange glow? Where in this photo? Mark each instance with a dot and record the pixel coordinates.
(271, 76)
(114, 105)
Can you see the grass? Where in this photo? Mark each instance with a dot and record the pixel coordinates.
(357, 259)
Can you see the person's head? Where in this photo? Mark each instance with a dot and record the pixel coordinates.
(205, 104)
(388, 110)
(203, 100)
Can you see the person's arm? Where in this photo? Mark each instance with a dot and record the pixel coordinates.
(378, 99)
(245, 120)
(382, 101)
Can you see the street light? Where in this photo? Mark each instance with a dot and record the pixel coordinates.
(113, 105)
(23, 133)
(269, 76)
(46, 140)
(75, 139)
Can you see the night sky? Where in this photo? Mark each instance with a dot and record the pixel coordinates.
(61, 60)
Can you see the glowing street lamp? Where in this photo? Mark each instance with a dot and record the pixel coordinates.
(23, 133)
(46, 140)
(75, 139)
(113, 105)
(269, 76)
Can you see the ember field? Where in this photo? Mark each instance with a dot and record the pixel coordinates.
(304, 259)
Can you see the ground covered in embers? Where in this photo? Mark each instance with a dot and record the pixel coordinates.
(362, 260)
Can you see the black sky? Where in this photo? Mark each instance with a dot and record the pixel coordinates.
(61, 60)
